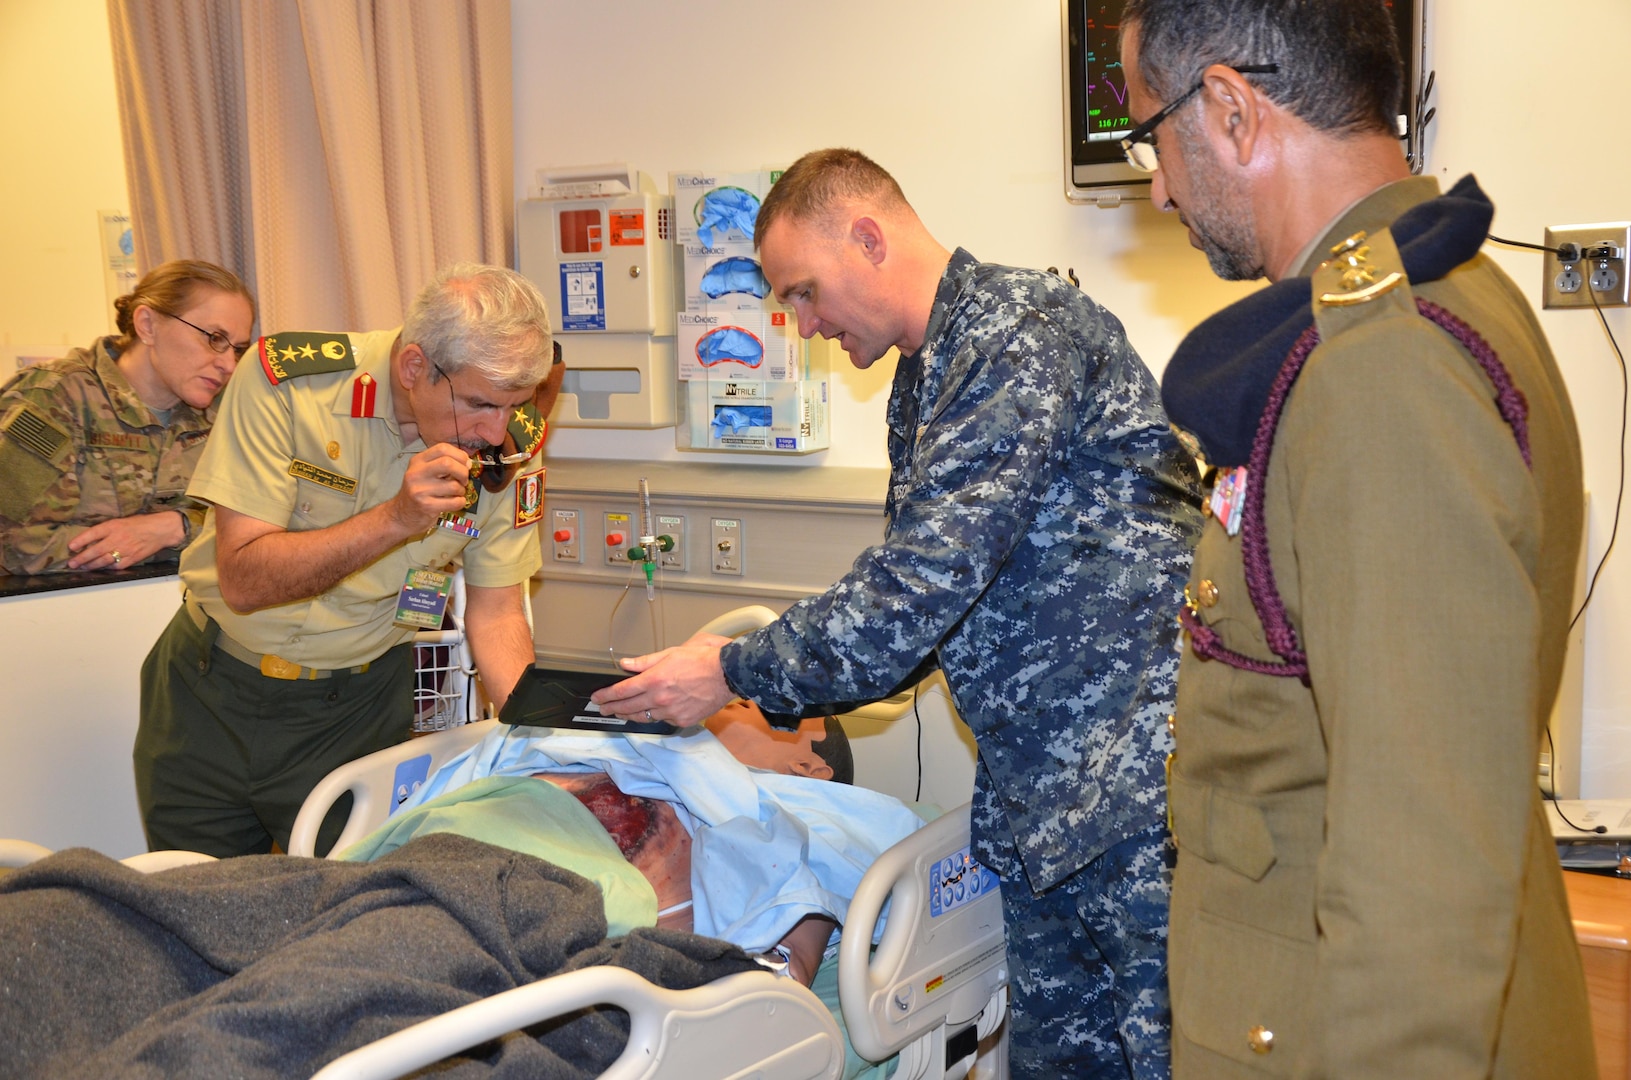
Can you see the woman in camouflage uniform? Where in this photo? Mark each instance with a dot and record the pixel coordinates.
(97, 448)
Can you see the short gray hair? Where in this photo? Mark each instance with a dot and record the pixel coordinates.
(486, 318)
(1340, 70)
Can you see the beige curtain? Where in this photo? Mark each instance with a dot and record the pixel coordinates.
(181, 100)
(377, 145)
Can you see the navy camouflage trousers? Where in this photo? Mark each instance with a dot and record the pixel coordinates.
(1088, 999)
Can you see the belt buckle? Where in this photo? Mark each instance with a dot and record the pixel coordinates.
(275, 667)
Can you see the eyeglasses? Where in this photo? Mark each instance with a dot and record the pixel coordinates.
(1139, 145)
(493, 469)
(218, 339)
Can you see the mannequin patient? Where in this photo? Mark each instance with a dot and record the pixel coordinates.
(651, 837)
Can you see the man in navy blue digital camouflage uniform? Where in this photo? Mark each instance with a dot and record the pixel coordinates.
(1040, 517)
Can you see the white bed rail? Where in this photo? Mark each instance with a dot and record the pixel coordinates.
(18, 853)
(15, 854)
(739, 621)
(373, 782)
(748, 1025)
(942, 961)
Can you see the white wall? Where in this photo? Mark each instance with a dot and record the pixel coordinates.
(1508, 112)
(961, 100)
(59, 125)
(71, 665)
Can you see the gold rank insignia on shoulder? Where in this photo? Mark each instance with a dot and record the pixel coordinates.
(289, 356)
(527, 428)
(1359, 282)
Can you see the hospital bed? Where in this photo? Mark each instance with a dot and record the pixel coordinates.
(931, 991)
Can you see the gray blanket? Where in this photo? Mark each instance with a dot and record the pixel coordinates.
(270, 966)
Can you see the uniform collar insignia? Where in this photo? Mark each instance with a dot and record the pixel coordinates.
(1218, 380)
(527, 428)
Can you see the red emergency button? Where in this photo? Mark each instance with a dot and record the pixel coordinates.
(614, 539)
(562, 535)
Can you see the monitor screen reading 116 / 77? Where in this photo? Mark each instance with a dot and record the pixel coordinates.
(1096, 112)
(1104, 83)
(1096, 104)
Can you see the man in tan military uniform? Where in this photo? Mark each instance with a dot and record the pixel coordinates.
(341, 482)
(1366, 883)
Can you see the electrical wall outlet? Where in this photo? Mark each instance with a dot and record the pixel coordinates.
(1595, 274)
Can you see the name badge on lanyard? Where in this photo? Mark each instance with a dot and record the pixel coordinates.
(423, 600)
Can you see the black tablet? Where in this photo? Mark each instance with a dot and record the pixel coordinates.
(547, 697)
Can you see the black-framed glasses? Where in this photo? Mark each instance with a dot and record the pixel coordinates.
(493, 469)
(1139, 144)
(219, 340)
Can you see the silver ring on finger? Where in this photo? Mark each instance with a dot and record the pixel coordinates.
(648, 716)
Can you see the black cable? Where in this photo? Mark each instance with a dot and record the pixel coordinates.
(1619, 498)
(919, 717)
(1625, 400)
(1552, 795)
(1521, 244)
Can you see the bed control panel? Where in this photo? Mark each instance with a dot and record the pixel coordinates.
(957, 881)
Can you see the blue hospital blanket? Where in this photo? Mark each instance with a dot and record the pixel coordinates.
(766, 849)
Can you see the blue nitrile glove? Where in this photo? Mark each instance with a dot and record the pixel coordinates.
(736, 274)
(724, 209)
(730, 344)
(735, 420)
